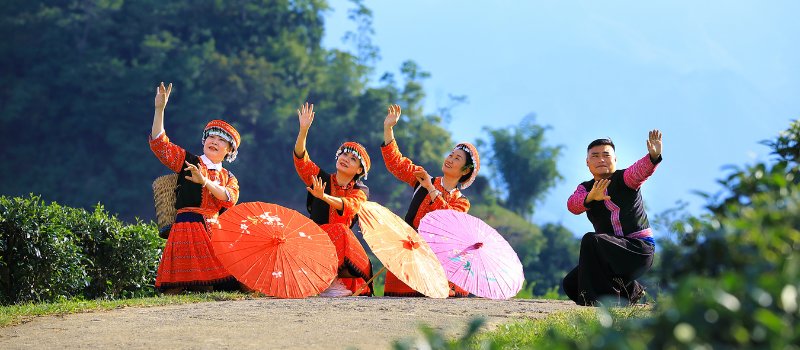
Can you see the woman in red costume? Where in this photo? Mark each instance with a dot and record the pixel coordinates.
(204, 188)
(333, 202)
(459, 170)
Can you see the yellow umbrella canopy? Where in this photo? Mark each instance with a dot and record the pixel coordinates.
(402, 250)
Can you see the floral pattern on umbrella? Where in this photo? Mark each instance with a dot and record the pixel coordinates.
(474, 255)
(274, 250)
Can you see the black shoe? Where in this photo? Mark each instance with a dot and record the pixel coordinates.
(636, 297)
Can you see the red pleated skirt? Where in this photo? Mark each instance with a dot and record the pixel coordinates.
(188, 258)
(352, 257)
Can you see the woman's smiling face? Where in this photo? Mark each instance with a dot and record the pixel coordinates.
(348, 164)
(454, 163)
(216, 148)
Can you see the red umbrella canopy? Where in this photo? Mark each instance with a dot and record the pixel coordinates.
(274, 250)
(401, 250)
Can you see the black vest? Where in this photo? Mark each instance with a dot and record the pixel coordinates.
(631, 207)
(318, 210)
(416, 200)
(420, 194)
(188, 193)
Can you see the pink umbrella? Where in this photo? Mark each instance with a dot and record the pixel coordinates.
(474, 256)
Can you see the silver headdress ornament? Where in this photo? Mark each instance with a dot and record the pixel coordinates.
(352, 150)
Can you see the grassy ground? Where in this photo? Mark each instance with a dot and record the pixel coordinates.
(531, 333)
(563, 328)
(15, 314)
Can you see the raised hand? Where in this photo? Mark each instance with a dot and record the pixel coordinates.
(654, 144)
(197, 176)
(306, 115)
(162, 95)
(598, 192)
(424, 178)
(392, 116)
(317, 188)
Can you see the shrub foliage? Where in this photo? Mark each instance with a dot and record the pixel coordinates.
(48, 252)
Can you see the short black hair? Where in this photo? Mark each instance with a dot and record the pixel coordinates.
(601, 142)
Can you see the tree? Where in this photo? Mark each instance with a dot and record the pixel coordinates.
(557, 257)
(526, 165)
(739, 263)
(77, 88)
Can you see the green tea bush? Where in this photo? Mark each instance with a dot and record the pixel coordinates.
(49, 252)
(39, 259)
(121, 260)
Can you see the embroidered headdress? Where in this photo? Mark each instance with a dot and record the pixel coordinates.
(471, 152)
(225, 131)
(359, 151)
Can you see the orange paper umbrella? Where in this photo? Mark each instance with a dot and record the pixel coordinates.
(401, 250)
(274, 250)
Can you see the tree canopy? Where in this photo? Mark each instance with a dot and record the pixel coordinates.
(77, 81)
(525, 163)
(79, 77)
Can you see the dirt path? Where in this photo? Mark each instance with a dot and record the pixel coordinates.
(313, 323)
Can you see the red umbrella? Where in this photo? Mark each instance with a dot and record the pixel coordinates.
(274, 250)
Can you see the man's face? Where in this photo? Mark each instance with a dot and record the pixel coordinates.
(602, 161)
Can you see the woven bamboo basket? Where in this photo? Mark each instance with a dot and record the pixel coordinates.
(164, 197)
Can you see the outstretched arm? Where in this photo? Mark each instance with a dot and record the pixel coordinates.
(162, 96)
(400, 166)
(306, 116)
(639, 172)
(388, 124)
(302, 163)
(167, 152)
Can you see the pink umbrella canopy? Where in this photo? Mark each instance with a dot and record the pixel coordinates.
(474, 256)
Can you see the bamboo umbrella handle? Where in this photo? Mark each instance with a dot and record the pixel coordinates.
(358, 291)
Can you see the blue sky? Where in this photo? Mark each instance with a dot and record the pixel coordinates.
(715, 77)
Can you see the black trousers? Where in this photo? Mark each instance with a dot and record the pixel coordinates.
(608, 266)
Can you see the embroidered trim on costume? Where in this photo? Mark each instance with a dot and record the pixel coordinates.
(616, 224)
(648, 232)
